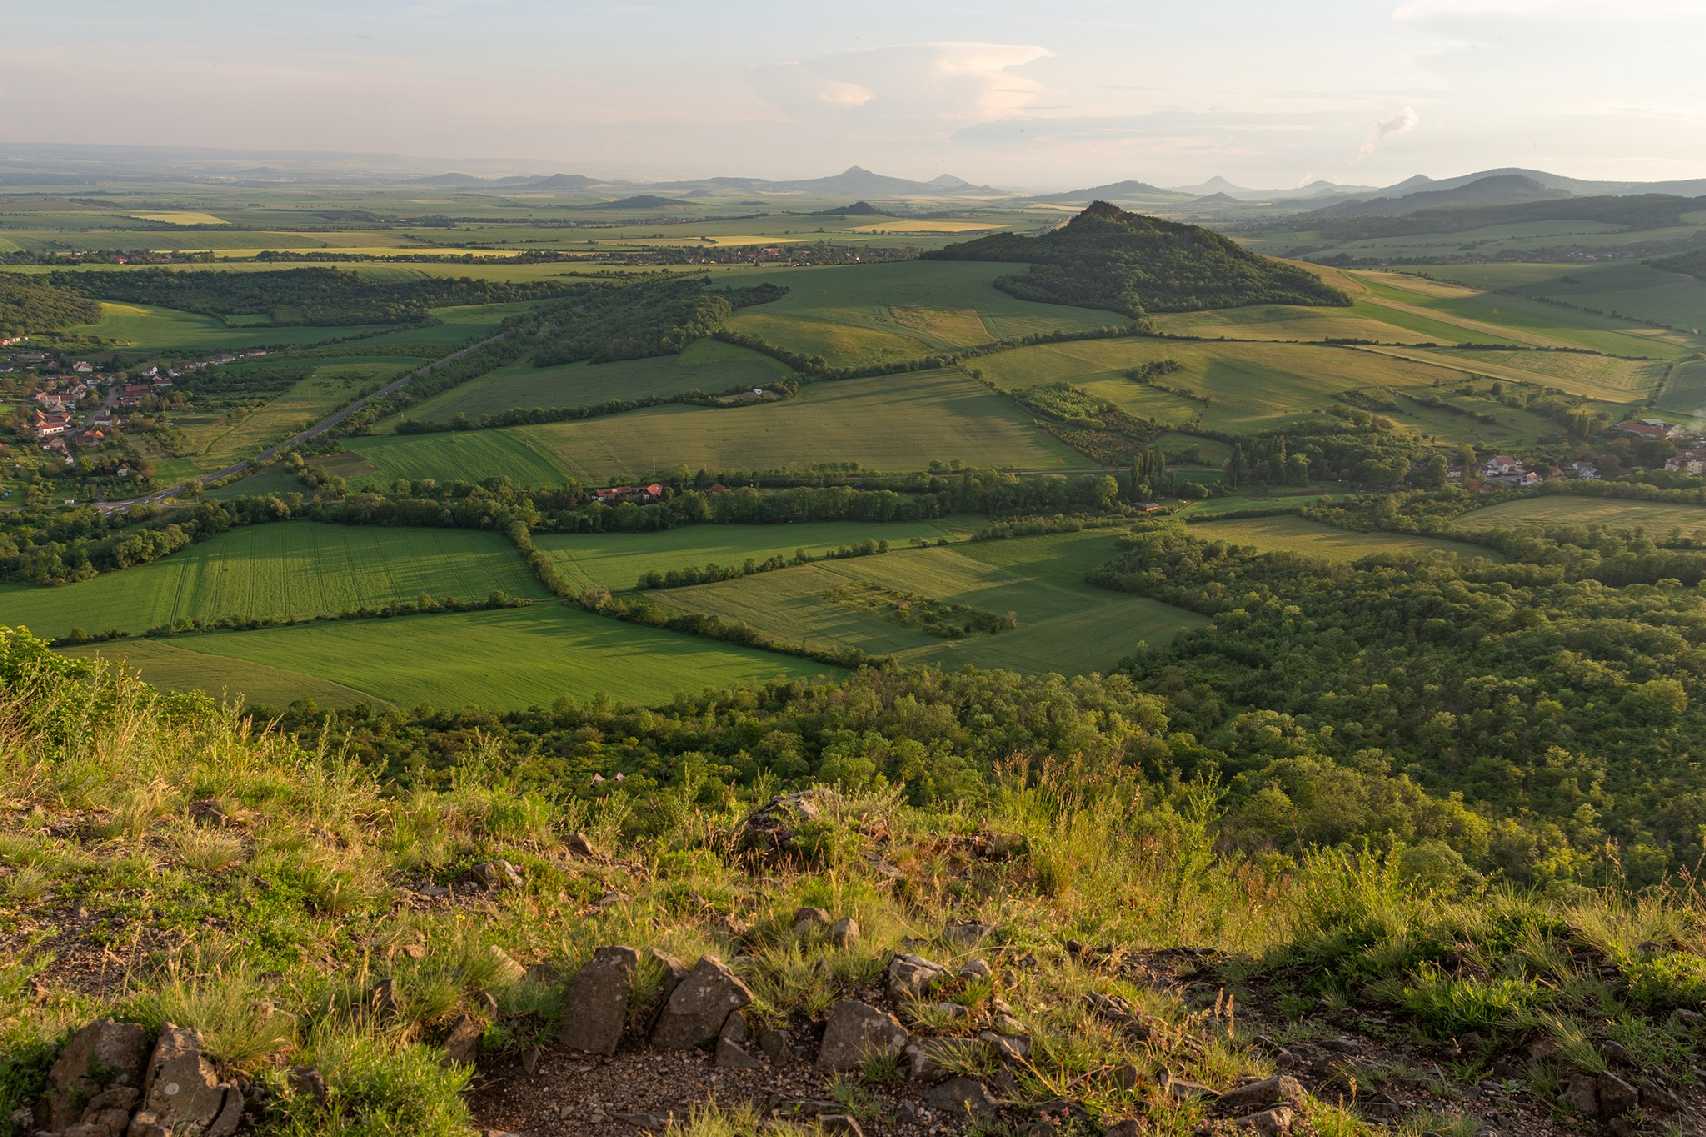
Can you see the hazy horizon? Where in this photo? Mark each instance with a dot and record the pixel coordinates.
(1353, 92)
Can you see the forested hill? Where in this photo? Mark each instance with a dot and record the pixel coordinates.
(1132, 263)
(298, 295)
(29, 306)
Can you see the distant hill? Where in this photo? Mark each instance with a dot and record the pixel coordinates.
(1692, 263)
(1130, 263)
(857, 209)
(451, 180)
(639, 201)
(1495, 189)
(854, 181)
(571, 182)
(1635, 211)
(1580, 187)
(1214, 185)
(1128, 190)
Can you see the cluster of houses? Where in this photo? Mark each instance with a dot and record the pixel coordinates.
(1504, 471)
(639, 495)
(80, 404)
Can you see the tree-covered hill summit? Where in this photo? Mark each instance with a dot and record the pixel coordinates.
(1132, 263)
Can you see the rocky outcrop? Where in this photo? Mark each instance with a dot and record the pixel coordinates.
(912, 976)
(595, 1010)
(99, 1070)
(696, 1010)
(109, 1081)
(183, 1095)
(856, 1031)
(772, 827)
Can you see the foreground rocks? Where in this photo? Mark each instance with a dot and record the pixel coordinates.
(117, 1079)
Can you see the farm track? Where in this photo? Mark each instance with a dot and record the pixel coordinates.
(336, 418)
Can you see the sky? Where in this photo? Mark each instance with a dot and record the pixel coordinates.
(1009, 92)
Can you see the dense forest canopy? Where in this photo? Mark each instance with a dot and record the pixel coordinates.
(1131, 263)
(298, 295)
(29, 306)
(602, 322)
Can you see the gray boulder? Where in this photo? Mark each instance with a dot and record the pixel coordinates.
(595, 1010)
(183, 1093)
(1253, 1097)
(103, 1055)
(964, 1099)
(844, 933)
(735, 1045)
(856, 1031)
(912, 976)
(699, 1006)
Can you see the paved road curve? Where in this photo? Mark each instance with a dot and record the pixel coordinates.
(336, 418)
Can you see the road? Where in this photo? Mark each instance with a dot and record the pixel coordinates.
(336, 418)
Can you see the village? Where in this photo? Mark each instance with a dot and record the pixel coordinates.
(68, 403)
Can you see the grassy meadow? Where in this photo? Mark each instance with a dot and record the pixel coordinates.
(617, 560)
(1289, 534)
(295, 568)
(1064, 625)
(506, 659)
(860, 315)
(1658, 519)
(895, 422)
(706, 365)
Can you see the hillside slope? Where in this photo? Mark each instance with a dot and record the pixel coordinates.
(326, 951)
(1127, 262)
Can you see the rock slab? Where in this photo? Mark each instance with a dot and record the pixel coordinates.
(595, 1011)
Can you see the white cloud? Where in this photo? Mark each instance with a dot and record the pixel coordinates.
(1403, 122)
(951, 82)
(839, 94)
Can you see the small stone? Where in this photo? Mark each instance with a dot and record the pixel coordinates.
(1582, 1095)
(579, 845)
(497, 874)
(1616, 1096)
(841, 1123)
(309, 1083)
(975, 969)
(920, 1062)
(462, 1044)
(1127, 1076)
(773, 1044)
(699, 1005)
(382, 999)
(967, 932)
(734, 1043)
(963, 1099)
(912, 976)
(1259, 1095)
(953, 1012)
(844, 933)
(1180, 1090)
(595, 1009)
(810, 921)
(504, 968)
(856, 1031)
(1275, 1122)
(1014, 1050)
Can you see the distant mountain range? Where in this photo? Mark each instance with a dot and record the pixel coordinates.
(855, 182)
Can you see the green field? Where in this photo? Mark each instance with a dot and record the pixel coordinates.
(1247, 386)
(504, 660)
(1657, 518)
(1684, 390)
(1629, 287)
(296, 568)
(707, 365)
(1288, 534)
(617, 560)
(897, 422)
(139, 328)
(215, 441)
(864, 314)
(1064, 624)
(1600, 377)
